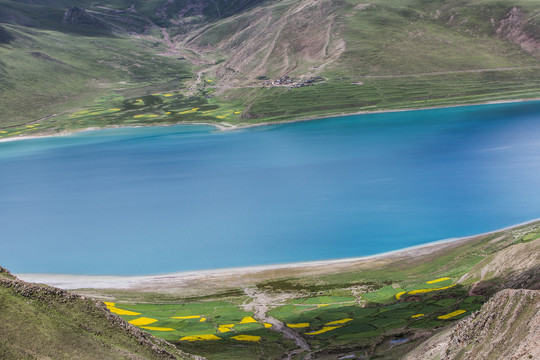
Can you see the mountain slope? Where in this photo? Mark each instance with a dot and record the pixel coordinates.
(514, 267)
(506, 327)
(349, 38)
(38, 322)
(375, 55)
(257, 61)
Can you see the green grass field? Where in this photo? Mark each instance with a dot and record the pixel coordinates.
(375, 94)
(353, 311)
(351, 325)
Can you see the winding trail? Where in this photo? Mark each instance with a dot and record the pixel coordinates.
(259, 307)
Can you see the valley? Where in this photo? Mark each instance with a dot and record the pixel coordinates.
(70, 67)
(384, 307)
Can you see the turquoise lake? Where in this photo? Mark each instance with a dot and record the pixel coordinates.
(133, 201)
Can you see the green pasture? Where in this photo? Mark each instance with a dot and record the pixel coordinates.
(345, 95)
(208, 316)
(153, 109)
(215, 313)
(366, 296)
(378, 318)
(47, 72)
(375, 319)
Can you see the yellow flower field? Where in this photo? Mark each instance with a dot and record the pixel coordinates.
(298, 325)
(225, 328)
(452, 314)
(142, 321)
(200, 337)
(248, 320)
(337, 322)
(421, 291)
(437, 280)
(186, 317)
(246, 338)
(157, 328)
(112, 308)
(323, 330)
(188, 111)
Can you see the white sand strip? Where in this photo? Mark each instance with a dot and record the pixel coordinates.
(65, 281)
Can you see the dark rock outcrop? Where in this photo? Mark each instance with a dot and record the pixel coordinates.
(40, 55)
(5, 273)
(79, 16)
(518, 28)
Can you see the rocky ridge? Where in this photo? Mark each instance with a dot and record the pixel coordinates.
(506, 327)
(93, 318)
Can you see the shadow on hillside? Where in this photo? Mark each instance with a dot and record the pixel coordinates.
(5, 36)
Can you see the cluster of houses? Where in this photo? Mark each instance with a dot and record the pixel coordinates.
(287, 80)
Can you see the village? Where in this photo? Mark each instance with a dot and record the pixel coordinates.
(290, 82)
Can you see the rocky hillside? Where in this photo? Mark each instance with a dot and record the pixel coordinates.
(506, 327)
(42, 322)
(514, 267)
(348, 37)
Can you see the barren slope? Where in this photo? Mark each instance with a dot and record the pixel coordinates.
(506, 327)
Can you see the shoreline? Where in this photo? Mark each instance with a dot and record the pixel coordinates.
(132, 282)
(365, 112)
(230, 127)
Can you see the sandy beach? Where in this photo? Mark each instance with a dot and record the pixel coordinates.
(242, 275)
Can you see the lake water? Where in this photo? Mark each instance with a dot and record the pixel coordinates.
(134, 201)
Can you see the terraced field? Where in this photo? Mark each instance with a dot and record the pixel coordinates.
(324, 320)
(342, 95)
(149, 110)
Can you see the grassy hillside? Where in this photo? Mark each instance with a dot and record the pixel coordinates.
(381, 308)
(341, 56)
(47, 71)
(38, 322)
(377, 56)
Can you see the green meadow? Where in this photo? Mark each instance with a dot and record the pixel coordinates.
(363, 309)
(195, 325)
(325, 321)
(347, 95)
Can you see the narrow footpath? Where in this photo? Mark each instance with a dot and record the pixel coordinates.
(259, 307)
